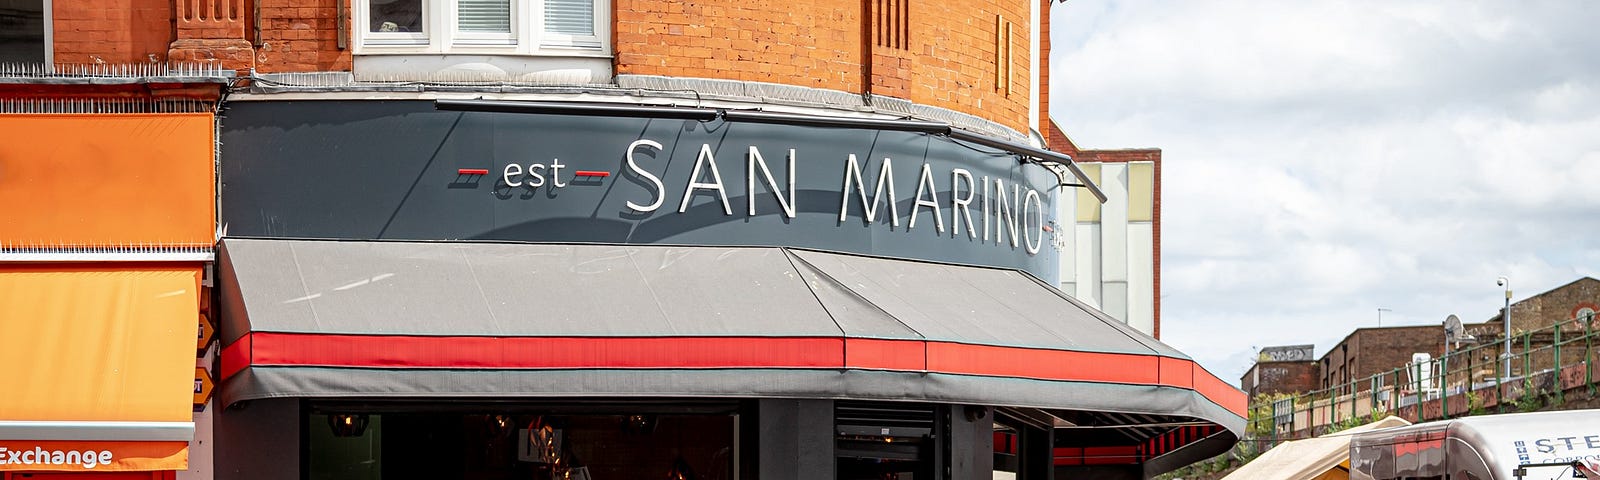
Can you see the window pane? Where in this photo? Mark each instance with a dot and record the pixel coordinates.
(349, 453)
(396, 15)
(22, 31)
(569, 17)
(519, 446)
(492, 16)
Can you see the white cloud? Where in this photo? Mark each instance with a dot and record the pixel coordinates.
(1327, 158)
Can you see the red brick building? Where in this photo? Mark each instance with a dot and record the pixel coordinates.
(1371, 351)
(1286, 369)
(1564, 304)
(976, 57)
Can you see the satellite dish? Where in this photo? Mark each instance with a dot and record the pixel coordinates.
(1454, 332)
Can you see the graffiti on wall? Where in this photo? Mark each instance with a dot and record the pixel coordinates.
(1273, 375)
(1287, 353)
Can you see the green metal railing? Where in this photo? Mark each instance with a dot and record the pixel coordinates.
(1463, 381)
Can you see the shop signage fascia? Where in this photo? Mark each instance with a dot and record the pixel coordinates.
(593, 177)
(87, 446)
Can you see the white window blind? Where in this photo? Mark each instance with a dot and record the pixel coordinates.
(486, 16)
(569, 17)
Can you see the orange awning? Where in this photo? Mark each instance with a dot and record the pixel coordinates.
(98, 180)
(98, 358)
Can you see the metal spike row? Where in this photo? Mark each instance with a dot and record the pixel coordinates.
(126, 248)
(104, 105)
(120, 70)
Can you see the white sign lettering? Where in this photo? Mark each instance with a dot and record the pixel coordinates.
(39, 456)
(1006, 212)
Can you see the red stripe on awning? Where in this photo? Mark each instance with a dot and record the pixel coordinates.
(475, 352)
(236, 357)
(1177, 372)
(383, 351)
(1223, 393)
(1042, 364)
(875, 354)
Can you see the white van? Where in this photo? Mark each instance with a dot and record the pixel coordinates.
(1542, 445)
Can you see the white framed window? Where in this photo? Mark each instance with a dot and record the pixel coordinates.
(395, 22)
(492, 27)
(570, 23)
(485, 22)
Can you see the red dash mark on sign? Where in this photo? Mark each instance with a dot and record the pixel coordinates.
(1048, 228)
(472, 171)
(591, 173)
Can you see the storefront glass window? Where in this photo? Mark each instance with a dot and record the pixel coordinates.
(1007, 451)
(345, 454)
(883, 441)
(490, 446)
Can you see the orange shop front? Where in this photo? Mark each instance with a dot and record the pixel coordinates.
(106, 222)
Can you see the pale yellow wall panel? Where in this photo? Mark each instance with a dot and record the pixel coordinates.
(1141, 191)
(1088, 205)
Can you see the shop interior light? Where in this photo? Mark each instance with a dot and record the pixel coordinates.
(348, 425)
(498, 425)
(680, 470)
(639, 424)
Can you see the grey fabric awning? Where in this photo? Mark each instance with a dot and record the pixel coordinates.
(348, 319)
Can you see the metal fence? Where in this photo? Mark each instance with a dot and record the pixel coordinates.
(1547, 365)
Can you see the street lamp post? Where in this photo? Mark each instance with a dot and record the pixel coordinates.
(1505, 319)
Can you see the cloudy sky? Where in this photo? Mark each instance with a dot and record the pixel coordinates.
(1324, 159)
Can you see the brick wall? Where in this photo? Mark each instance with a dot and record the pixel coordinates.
(934, 53)
(759, 40)
(1280, 377)
(1556, 305)
(944, 54)
(1371, 351)
(111, 31)
(1045, 124)
(300, 36)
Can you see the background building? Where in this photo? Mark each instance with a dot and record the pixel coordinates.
(1378, 350)
(1114, 259)
(1373, 371)
(1372, 351)
(1285, 369)
(1571, 301)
